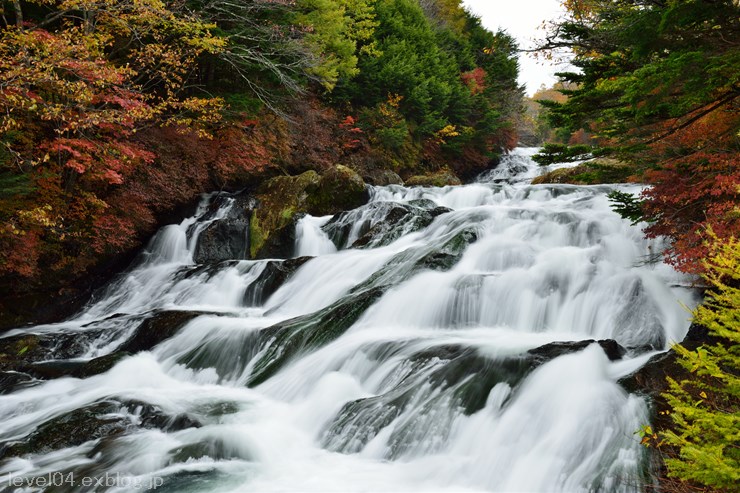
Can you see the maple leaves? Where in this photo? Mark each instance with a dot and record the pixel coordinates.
(696, 187)
(75, 87)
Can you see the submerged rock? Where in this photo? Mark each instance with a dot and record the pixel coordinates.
(95, 421)
(282, 342)
(275, 274)
(380, 223)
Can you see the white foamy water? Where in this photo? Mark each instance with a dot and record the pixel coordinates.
(394, 360)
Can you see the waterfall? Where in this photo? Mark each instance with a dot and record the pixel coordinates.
(399, 350)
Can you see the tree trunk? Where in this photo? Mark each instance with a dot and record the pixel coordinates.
(18, 13)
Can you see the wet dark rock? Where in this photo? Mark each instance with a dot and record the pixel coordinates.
(22, 352)
(450, 253)
(47, 370)
(545, 353)
(275, 274)
(382, 222)
(215, 449)
(11, 381)
(282, 342)
(156, 329)
(226, 238)
(99, 420)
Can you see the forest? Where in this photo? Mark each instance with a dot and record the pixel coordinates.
(118, 114)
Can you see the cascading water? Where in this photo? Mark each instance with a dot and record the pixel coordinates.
(398, 358)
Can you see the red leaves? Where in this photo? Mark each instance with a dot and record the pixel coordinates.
(698, 186)
(475, 80)
(347, 128)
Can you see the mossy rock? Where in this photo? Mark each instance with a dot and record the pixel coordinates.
(340, 189)
(282, 199)
(442, 178)
(596, 171)
(382, 177)
(284, 341)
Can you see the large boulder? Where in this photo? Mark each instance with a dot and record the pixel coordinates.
(340, 188)
(441, 178)
(592, 172)
(282, 200)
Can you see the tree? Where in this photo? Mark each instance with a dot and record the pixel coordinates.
(76, 83)
(660, 82)
(706, 409)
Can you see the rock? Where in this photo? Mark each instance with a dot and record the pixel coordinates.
(450, 253)
(11, 381)
(399, 220)
(340, 188)
(441, 178)
(47, 370)
(275, 274)
(226, 238)
(592, 172)
(282, 199)
(281, 342)
(98, 420)
(156, 329)
(545, 353)
(50, 355)
(382, 177)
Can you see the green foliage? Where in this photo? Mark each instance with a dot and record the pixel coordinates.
(335, 29)
(645, 63)
(706, 409)
(626, 205)
(448, 71)
(561, 153)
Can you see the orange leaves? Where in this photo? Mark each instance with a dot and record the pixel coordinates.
(697, 187)
(475, 80)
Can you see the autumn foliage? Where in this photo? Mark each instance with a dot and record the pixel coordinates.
(695, 187)
(72, 103)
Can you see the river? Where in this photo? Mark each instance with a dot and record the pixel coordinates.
(399, 357)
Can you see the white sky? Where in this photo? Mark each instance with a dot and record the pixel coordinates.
(522, 19)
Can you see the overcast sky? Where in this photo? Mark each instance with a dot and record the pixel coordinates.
(522, 19)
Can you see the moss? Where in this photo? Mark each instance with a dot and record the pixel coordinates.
(282, 198)
(441, 178)
(256, 235)
(593, 172)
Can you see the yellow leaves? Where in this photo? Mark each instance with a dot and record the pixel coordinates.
(38, 217)
(394, 100)
(446, 133)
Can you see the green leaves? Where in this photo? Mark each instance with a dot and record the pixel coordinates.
(706, 409)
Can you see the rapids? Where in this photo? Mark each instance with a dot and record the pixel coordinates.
(395, 359)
